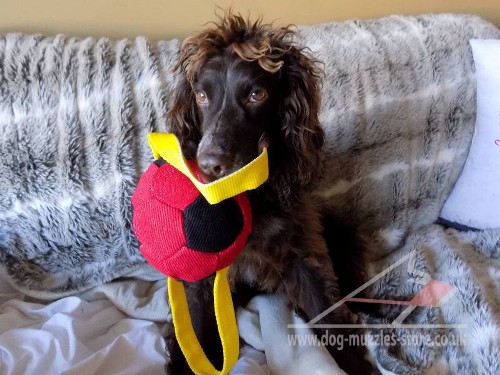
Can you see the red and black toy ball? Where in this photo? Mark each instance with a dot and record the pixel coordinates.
(181, 234)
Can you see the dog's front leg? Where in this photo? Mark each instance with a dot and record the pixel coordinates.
(311, 289)
(201, 308)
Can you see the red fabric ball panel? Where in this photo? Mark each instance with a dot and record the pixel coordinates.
(172, 188)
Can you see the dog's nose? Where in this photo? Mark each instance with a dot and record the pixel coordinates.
(215, 165)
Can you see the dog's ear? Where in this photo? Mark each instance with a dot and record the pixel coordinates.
(300, 127)
(183, 116)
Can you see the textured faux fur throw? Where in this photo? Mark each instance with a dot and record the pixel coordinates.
(398, 110)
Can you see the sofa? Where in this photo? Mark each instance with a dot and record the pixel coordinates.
(399, 113)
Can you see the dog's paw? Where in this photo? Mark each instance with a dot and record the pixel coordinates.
(176, 362)
(175, 367)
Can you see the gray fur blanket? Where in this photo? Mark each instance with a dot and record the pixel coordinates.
(398, 110)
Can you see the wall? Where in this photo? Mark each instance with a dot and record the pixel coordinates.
(164, 19)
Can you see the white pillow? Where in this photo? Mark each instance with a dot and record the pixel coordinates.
(475, 199)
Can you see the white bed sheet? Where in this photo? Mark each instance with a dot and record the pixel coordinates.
(84, 334)
(118, 328)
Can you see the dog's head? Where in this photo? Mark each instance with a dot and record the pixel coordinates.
(243, 86)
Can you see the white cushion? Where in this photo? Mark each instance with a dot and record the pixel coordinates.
(475, 199)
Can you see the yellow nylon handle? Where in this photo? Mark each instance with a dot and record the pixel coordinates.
(249, 177)
(226, 323)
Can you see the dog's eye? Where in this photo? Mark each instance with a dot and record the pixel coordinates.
(258, 96)
(201, 97)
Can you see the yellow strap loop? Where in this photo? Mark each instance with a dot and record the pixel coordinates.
(226, 323)
(249, 177)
